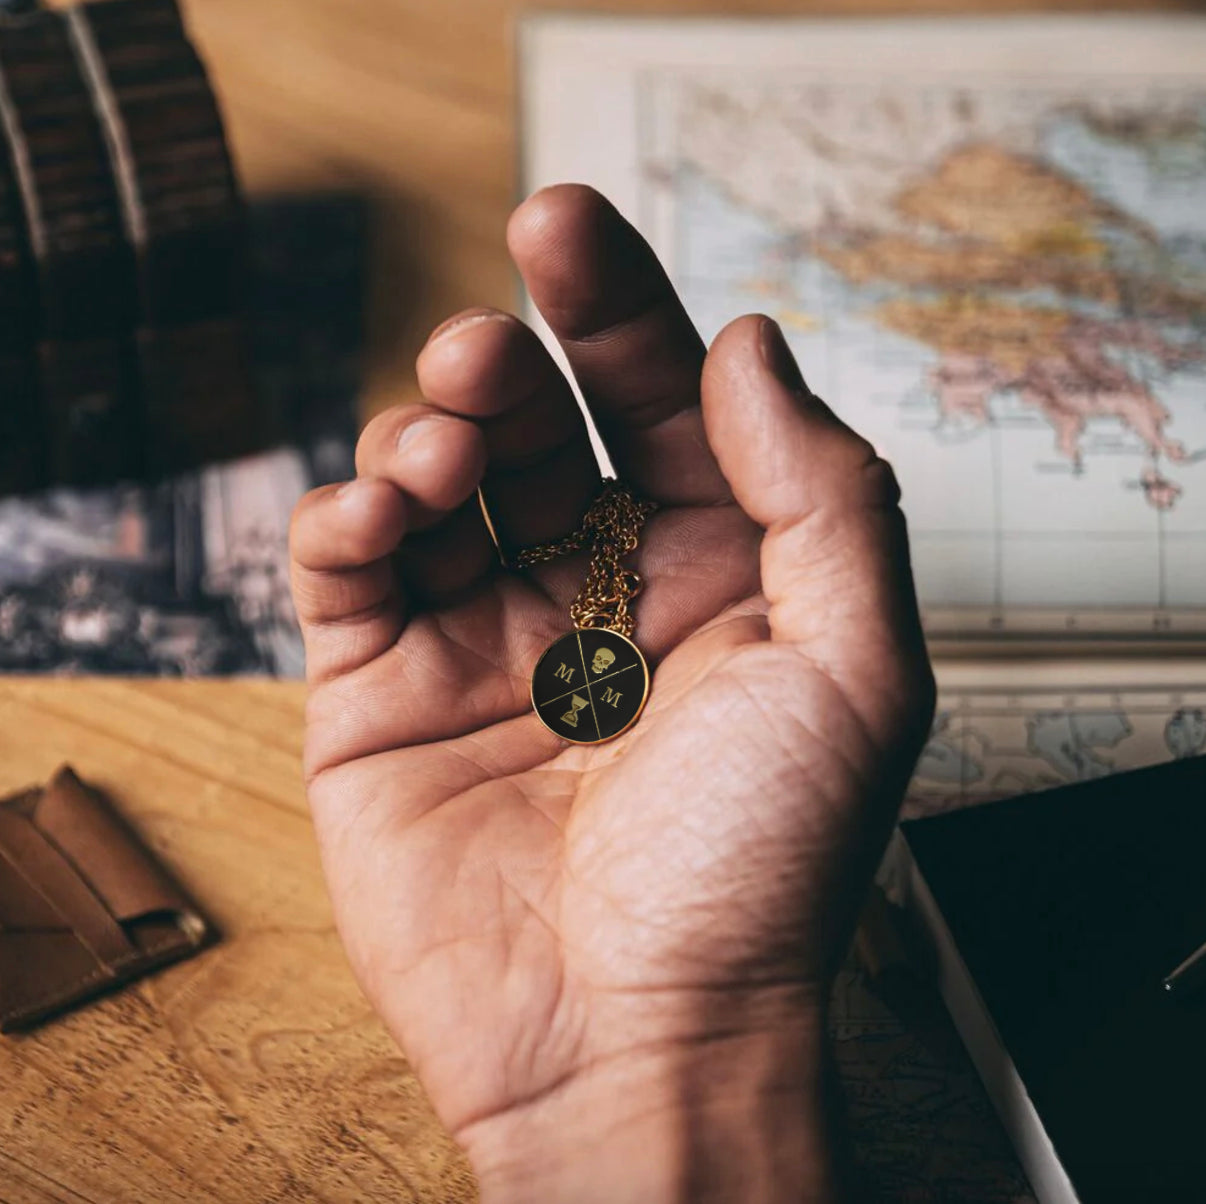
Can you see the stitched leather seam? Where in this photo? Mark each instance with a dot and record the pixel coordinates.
(64, 989)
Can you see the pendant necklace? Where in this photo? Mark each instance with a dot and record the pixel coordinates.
(592, 684)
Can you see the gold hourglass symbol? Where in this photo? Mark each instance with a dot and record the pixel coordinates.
(577, 704)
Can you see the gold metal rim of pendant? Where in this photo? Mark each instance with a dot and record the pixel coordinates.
(612, 636)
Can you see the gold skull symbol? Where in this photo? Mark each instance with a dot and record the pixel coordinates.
(603, 660)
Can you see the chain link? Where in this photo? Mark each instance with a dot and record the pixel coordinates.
(612, 527)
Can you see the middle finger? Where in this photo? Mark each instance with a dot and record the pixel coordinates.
(630, 344)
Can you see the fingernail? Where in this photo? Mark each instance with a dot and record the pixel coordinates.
(777, 356)
(461, 322)
(348, 488)
(414, 432)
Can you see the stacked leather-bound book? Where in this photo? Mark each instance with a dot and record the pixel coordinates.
(123, 351)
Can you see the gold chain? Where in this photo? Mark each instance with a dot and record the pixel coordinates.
(612, 526)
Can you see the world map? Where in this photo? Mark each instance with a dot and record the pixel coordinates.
(1003, 287)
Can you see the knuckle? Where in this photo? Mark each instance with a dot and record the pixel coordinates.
(357, 547)
(881, 489)
(303, 514)
(381, 433)
(379, 424)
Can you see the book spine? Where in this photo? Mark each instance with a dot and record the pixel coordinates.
(184, 218)
(84, 268)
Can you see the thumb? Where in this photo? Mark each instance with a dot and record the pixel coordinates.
(835, 557)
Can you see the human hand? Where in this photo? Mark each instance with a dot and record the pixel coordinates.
(608, 964)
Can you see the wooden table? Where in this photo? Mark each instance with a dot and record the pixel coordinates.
(257, 1072)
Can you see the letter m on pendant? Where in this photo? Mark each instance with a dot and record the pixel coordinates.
(565, 673)
(610, 695)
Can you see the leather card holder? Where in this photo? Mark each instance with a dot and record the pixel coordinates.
(84, 906)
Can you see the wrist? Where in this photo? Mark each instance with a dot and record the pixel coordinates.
(741, 1116)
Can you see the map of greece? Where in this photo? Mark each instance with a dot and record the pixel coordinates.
(1003, 286)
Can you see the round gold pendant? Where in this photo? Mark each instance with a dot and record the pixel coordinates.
(590, 686)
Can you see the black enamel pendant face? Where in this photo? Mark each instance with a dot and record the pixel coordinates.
(590, 686)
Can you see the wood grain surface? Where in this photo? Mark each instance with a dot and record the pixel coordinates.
(256, 1072)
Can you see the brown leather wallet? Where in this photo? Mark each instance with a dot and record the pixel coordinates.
(84, 906)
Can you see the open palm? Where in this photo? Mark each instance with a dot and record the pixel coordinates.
(526, 914)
